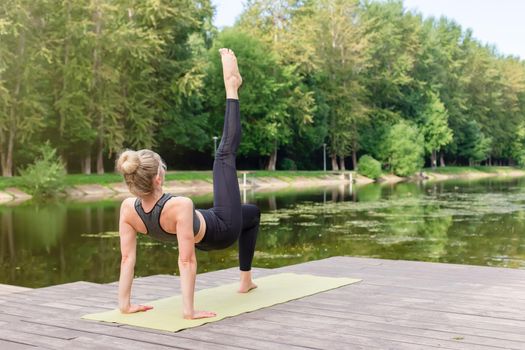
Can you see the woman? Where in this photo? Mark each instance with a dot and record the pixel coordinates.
(169, 218)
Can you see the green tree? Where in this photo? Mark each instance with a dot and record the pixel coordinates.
(22, 58)
(45, 177)
(405, 149)
(341, 49)
(518, 145)
(369, 167)
(474, 146)
(280, 25)
(393, 47)
(263, 101)
(180, 71)
(435, 127)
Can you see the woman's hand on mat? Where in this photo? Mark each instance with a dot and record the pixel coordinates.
(199, 314)
(135, 308)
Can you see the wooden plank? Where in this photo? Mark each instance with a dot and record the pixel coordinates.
(412, 268)
(418, 269)
(256, 342)
(26, 339)
(9, 345)
(96, 329)
(361, 306)
(424, 283)
(8, 289)
(98, 341)
(423, 292)
(386, 334)
(501, 312)
(433, 299)
(287, 334)
(285, 315)
(32, 329)
(488, 279)
(341, 320)
(440, 318)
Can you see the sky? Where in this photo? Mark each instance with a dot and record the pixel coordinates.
(497, 22)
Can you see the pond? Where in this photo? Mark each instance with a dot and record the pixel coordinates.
(476, 223)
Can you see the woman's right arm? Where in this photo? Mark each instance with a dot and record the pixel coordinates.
(187, 259)
(128, 250)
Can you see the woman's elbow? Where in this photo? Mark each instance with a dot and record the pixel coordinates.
(187, 260)
(127, 259)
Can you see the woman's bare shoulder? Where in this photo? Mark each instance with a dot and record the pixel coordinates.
(179, 203)
(127, 205)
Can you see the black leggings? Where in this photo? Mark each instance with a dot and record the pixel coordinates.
(228, 220)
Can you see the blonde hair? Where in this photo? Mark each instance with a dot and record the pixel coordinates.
(139, 168)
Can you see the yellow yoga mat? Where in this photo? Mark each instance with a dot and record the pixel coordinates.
(225, 301)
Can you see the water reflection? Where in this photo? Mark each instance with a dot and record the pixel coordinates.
(480, 222)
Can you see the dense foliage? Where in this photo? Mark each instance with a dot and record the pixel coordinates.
(45, 177)
(94, 77)
(369, 167)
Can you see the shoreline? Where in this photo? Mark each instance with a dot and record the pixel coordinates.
(13, 195)
(475, 175)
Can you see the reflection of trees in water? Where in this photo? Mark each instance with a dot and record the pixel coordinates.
(414, 226)
(368, 193)
(272, 202)
(7, 242)
(33, 233)
(497, 240)
(39, 226)
(43, 244)
(341, 193)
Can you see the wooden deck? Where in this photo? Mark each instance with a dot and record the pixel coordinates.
(398, 305)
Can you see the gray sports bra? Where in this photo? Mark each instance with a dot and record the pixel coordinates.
(151, 220)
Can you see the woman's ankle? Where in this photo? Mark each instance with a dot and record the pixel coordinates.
(246, 275)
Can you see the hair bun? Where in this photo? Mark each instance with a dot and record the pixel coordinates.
(128, 162)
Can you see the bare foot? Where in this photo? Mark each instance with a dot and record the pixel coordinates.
(230, 71)
(246, 282)
(246, 287)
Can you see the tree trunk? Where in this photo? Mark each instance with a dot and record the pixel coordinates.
(4, 156)
(272, 161)
(342, 163)
(64, 90)
(8, 171)
(7, 228)
(86, 164)
(100, 157)
(7, 163)
(335, 166)
(441, 159)
(272, 203)
(433, 161)
(63, 157)
(354, 158)
(95, 85)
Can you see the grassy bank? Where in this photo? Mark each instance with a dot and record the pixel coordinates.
(465, 170)
(111, 178)
(288, 176)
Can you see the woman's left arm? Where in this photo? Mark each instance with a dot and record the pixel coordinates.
(187, 258)
(128, 249)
